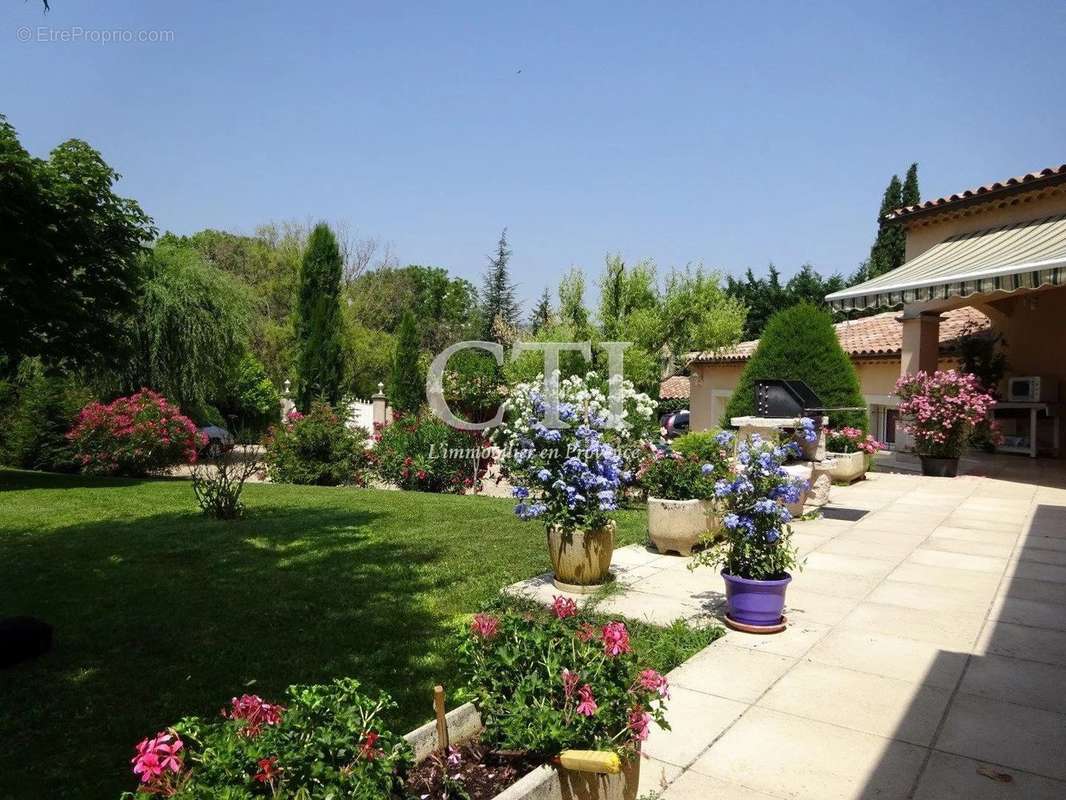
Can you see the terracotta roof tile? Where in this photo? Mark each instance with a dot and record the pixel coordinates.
(877, 336)
(1048, 175)
(674, 387)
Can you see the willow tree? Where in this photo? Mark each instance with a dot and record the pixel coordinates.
(318, 319)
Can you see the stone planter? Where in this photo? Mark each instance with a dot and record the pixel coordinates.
(847, 467)
(581, 560)
(678, 525)
(544, 783)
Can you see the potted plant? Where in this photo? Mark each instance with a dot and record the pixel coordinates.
(849, 452)
(939, 410)
(680, 485)
(756, 553)
(549, 683)
(571, 477)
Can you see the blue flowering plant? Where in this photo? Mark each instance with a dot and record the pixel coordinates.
(757, 543)
(570, 474)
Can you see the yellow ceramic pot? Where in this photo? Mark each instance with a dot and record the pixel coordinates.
(581, 559)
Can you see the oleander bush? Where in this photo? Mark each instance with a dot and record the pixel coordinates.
(318, 448)
(424, 453)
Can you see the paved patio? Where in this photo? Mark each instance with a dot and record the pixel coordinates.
(925, 656)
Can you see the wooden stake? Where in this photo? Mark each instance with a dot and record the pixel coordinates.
(442, 723)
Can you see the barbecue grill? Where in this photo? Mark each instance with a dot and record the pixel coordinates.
(787, 399)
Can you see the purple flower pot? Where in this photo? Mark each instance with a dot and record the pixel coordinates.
(755, 602)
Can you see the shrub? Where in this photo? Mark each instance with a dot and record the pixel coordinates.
(44, 408)
(851, 440)
(548, 684)
(326, 741)
(251, 399)
(318, 448)
(800, 343)
(219, 481)
(757, 542)
(688, 473)
(941, 409)
(134, 435)
(426, 454)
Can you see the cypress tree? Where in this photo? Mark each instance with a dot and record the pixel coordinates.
(407, 390)
(800, 343)
(888, 249)
(318, 325)
(499, 293)
(542, 313)
(910, 195)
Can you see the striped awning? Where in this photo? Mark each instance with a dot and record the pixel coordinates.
(1025, 255)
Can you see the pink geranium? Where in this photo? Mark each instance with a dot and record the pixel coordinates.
(485, 626)
(639, 724)
(587, 705)
(254, 713)
(570, 680)
(654, 681)
(616, 639)
(563, 607)
(156, 757)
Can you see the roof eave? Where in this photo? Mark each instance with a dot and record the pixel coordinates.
(975, 197)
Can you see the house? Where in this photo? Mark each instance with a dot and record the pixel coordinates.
(875, 345)
(999, 249)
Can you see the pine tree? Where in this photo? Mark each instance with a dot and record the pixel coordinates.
(542, 313)
(407, 390)
(888, 249)
(499, 302)
(800, 343)
(318, 326)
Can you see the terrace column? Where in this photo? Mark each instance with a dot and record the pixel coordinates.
(921, 342)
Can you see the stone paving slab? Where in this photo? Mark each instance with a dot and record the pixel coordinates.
(927, 641)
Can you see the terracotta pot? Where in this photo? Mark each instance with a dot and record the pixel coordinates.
(678, 525)
(581, 560)
(847, 467)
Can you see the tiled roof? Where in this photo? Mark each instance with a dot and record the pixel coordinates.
(674, 387)
(869, 337)
(1031, 180)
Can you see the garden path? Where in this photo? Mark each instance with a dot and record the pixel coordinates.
(925, 655)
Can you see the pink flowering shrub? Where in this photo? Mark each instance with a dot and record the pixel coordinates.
(557, 680)
(940, 409)
(851, 440)
(326, 741)
(134, 435)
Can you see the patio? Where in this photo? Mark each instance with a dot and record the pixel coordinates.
(925, 656)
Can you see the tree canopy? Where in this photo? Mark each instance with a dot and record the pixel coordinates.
(69, 254)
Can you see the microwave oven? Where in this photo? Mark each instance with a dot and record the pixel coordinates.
(1032, 389)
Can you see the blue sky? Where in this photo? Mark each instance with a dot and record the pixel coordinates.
(683, 132)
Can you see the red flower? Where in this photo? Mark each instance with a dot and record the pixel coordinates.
(616, 639)
(586, 632)
(485, 626)
(255, 713)
(587, 706)
(563, 607)
(268, 770)
(368, 749)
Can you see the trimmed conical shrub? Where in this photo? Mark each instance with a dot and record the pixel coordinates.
(799, 343)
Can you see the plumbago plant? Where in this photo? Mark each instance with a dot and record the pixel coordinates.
(851, 440)
(327, 741)
(940, 409)
(572, 476)
(757, 543)
(687, 474)
(549, 684)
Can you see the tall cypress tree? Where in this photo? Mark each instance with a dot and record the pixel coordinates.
(888, 249)
(407, 390)
(910, 195)
(499, 293)
(318, 325)
(542, 312)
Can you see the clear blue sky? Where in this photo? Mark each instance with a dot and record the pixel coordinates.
(677, 131)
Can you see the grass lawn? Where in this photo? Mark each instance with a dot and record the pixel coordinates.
(160, 613)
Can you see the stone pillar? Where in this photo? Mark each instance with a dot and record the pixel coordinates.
(287, 403)
(921, 342)
(381, 406)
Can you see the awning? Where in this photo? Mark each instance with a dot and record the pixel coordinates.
(1025, 255)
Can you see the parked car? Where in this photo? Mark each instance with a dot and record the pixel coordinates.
(674, 424)
(217, 441)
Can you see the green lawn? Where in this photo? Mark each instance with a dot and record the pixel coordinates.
(160, 613)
